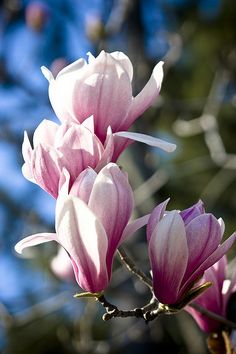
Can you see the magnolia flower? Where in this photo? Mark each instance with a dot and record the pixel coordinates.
(182, 245)
(70, 146)
(216, 298)
(92, 226)
(102, 88)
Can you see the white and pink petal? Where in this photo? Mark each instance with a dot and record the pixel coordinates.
(168, 253)
(83, 236)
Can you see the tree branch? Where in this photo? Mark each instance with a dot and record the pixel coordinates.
(133, 268)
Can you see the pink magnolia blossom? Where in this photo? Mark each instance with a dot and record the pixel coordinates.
(102, 88)
(182, 245)
(214, 299)
(91, 227)
(55, 147)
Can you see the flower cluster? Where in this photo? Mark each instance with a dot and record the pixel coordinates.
(75, 162)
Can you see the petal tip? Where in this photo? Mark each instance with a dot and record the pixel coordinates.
(47, 73)
(18, 248)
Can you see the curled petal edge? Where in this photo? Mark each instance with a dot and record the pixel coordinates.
(34, 240)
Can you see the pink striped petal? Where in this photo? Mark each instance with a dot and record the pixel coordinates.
(82, 235)
(108, 150)
(211, 299)
(192, 212)
(146, 97)
(213, 258)
(124, 62)
(105, 83)
(72, 68)
(219, 269)
(168, 253)
(34, 240)
(83, 185)
(111, 201)
(156, 215)
(79, 149)
(203, 237)
(149, 140)
(45, 170)
(61, 89)
(45, 133)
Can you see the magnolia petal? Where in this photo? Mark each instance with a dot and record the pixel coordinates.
(108, 150)
(83, 184)
(211, 299)
(45, 170)
(26, 171)
(149, 140)
(27, 155)
(79, 149)
(105, 83)
(64, 183)
(45, 133)
(192, 212)
(213, 258)
(91, 57)
(73, 67)
(47, 73)
(133, 226)
(26, 148)
(156, 215)
(147, 96)
(203, 237)
(78, 64)
(34, 240)
(219, 269)
(78, 136)
(60, 91)
(84, 238)
(111, 201)
(206, 324)
(168, 253)
(222, 226)
(124, 62)
(89, 123)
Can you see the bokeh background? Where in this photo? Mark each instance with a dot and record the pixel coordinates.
(196, 110)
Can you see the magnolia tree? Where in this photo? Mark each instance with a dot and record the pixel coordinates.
(76, 162)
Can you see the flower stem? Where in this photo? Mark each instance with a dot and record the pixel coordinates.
(113, 311)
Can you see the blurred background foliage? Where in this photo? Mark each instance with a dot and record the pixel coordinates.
(196, 110)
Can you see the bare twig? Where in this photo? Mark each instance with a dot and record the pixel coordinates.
(133, 268)
(148, 312)
(113, 311)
